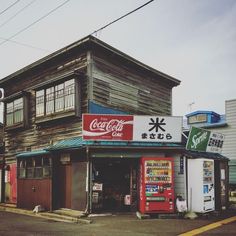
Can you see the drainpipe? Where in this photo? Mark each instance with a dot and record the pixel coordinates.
(88, 184)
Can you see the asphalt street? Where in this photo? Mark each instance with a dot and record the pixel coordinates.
(12, 224)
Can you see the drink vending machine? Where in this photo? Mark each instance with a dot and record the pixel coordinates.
(201, 186)
(156, 185)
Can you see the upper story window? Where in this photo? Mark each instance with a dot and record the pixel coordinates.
(16, 114)
(57, 99)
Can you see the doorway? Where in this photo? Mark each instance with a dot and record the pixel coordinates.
(114, 185)
(64, 186)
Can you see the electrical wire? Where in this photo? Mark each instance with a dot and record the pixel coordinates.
(9, 7)
(26, 45)
(27, 27)
(105, 26)
(17, 13)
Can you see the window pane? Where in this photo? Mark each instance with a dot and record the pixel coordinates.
(9, 115)
(38, 162)
(59, 100)
(22, 172)
(18, 110)
(38, 172)
(69, 94)
(47, 161)
(39, 103)
(50, 100)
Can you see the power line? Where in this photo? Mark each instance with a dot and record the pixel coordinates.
(25, 45)
(9, 7)
(105, 26)
(27, 27)
(17, 13)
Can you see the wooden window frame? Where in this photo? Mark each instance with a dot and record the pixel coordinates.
(75, 111)
(25, 121)
(34, 171)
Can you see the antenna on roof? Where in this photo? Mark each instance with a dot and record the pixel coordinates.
(190, 106)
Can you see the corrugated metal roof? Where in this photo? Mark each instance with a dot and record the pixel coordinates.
(33, 153)
(78, 142)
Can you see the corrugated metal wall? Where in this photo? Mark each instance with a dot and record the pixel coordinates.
(229, 147)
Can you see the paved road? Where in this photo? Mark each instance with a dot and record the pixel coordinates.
(12, 224)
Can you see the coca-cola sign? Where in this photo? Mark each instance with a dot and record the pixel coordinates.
(107, 127)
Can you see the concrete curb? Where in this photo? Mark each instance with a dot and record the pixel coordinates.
(46, 215)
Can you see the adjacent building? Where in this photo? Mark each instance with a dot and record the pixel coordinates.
(225, 124)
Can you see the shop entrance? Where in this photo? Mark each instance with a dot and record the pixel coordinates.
(114, 185)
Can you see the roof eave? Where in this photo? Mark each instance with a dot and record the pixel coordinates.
(96, 42)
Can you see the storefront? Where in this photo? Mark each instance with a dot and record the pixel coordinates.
(105, 175)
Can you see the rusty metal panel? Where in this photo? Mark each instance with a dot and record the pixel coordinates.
(32, 192)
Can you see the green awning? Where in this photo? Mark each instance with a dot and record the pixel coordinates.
(40, 152)
(78, 142)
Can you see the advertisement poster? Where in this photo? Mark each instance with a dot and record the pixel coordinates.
(132, 128)
(204, 140)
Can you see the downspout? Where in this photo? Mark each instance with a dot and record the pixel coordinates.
(88, 183)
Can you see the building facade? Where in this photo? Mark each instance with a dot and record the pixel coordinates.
(46, 162)
(225, 124)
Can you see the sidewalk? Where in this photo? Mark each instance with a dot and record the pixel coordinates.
(62, 215)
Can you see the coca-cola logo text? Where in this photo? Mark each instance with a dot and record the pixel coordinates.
(114, 125)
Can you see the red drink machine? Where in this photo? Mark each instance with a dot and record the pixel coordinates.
(156, 185)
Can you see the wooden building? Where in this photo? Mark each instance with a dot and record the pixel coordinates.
(44, 103)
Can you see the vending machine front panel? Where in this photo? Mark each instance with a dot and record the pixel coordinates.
(157, 188)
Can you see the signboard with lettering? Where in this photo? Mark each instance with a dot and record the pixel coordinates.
(107, 127)
(204, 140)
(199, 118)
(157, 129)
(132, 128)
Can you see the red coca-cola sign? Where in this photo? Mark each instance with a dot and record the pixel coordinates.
(107, 127)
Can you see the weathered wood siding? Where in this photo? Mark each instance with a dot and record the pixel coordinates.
(129, 89)
(37, 136)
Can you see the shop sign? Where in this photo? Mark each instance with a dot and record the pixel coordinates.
(97, 186)
(157, 128)
(107, 127)
(199, 118)
(204, 140)
(132, 128)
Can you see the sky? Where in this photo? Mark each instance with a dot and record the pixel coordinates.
(193, 41)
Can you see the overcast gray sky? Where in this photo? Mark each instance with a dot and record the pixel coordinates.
(191, 40)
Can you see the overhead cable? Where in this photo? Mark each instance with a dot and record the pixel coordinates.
(96, 31)
(17, 13)
(14, 3)
(27, 27)
(25, 45)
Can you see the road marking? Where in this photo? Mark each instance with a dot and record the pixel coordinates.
(209, 227)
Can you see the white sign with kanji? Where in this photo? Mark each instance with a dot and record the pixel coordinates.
(157, 128)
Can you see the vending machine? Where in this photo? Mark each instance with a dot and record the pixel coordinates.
(156, 185)
(201, 187)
